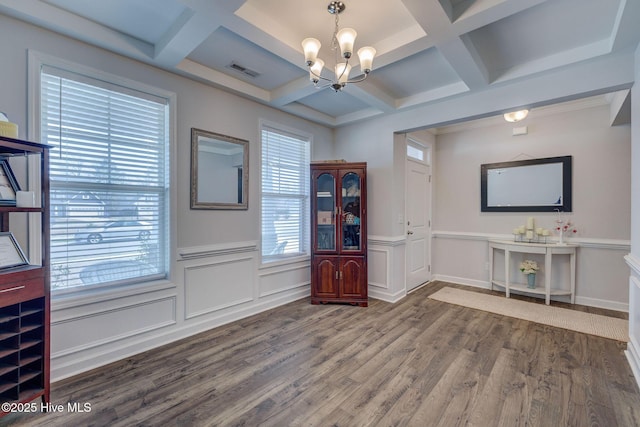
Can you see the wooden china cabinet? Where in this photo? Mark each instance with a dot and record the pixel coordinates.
(339, 233)
(24, 273)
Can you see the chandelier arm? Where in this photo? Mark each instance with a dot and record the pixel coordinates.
(319, 76)
(344, 69)
(330, 84)
(358, 80)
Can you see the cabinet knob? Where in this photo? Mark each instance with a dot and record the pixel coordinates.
(409, 232)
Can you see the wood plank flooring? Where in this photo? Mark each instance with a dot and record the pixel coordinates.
(418, 362)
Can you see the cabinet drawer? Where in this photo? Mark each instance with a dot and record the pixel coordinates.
(12, 293)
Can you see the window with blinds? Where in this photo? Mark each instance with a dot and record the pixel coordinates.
(285, 194)
(108, 181)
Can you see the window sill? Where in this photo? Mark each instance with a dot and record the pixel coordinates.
(265, 264)
(78, 297)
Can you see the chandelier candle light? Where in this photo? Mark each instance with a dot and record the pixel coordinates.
(342, 40)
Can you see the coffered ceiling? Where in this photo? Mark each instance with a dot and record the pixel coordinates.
(428, 50)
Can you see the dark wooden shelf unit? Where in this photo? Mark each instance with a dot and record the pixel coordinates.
(339, 233)
(24, 290)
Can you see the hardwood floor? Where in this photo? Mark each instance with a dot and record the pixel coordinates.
(418, 362)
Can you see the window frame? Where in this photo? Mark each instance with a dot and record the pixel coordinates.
(418, 146)
(36, 62)
(305, 229)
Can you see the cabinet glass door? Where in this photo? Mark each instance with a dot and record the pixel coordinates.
(351, 212)
(325, 209)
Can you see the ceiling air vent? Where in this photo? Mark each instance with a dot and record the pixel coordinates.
(244, 70)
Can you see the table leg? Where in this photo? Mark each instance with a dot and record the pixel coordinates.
(491, 249)
(507, 261)
(572, 262)
(547, 277)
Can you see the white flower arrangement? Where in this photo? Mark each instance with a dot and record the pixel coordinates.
(529, 267)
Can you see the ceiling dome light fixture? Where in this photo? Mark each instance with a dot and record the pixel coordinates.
(516, 116)
(343, 41)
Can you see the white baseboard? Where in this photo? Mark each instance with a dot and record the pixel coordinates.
(379, 293)
(633, 356)
(603, 303)
(462, 281)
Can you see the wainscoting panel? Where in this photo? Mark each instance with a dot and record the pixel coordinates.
(386, 268)
(217, 285)
(210, 286)
(280, 278)
(633, 347)
(379, 261)
(599, 261)
(102, 327)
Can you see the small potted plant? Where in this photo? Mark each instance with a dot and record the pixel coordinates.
(529, 268)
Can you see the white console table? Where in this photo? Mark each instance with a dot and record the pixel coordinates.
(548, 250)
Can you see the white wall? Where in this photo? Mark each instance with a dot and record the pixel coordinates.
(601, 203)
(371, 141)
(633, 259)
(216, 275)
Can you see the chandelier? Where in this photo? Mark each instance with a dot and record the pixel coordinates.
(342, 45)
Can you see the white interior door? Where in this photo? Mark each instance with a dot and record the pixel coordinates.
(418, 213)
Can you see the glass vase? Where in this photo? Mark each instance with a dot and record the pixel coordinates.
(531, 280)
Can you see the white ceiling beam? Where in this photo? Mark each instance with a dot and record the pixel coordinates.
(69, 24)
(302, 88)
(620, 108)
(432, 18)
(213, 14)
(598, 76)
(389, 56)
(560, 59)
(482, 13)
(214, 8)
(186, 34)
(364, 114)
(222, 80)
(466, 62)
(433, 95)
(310, 114)
(292, 91)
(223, 12)
(625, 30)
(459, 52)
(372, 96)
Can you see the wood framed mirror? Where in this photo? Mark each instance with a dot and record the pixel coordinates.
(535, 185)
(219, 171)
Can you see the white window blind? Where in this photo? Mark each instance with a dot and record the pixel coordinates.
(285, 194)
(108, 181)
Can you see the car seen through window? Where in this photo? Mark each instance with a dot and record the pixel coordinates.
(117, 230)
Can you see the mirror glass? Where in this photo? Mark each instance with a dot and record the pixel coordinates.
(219, 171)
(537, 185)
